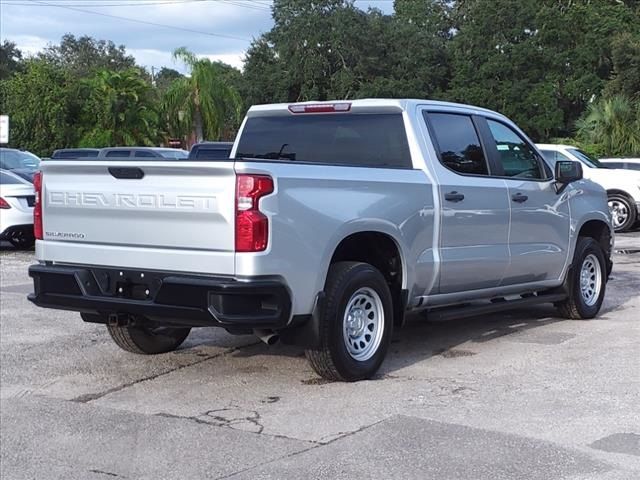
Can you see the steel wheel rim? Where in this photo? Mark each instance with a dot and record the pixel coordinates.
(590, 280)
(619, 212)
(363, 324)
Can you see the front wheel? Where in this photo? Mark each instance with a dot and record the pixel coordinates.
(586, 281)
(145, 340)
(356, 324)
(623, 212)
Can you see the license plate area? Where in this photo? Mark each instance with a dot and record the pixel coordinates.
(129, 284)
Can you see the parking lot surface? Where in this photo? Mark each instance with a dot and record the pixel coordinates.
(519, 395)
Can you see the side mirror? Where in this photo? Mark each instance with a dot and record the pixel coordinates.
(568, 171)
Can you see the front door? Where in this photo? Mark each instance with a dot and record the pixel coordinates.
(474, 231)
(539, 234)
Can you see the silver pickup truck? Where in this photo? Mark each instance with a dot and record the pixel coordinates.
(329, 222)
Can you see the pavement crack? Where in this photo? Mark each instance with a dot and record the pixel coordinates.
(304, 450)
(90, 397)
(103, 472)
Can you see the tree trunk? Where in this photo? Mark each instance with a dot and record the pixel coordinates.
(197, 122)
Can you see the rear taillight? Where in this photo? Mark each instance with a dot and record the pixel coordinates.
(252, 226)
(37, 207)
(3, 203)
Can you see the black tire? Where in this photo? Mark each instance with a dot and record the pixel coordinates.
(575, 306)
(626, 207)
(332, 359)
(148, 341)
(22, 241)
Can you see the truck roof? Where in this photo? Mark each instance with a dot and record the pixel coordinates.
(366, 105)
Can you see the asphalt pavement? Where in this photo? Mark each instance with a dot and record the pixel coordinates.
(518, 395)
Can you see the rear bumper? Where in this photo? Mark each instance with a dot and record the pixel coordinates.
(189, 300)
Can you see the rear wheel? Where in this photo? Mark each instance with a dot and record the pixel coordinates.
(585, 282)
(623, 212)
(146, 340)
(356, 325)
(22, 240)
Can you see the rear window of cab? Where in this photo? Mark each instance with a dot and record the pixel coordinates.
(369, 140)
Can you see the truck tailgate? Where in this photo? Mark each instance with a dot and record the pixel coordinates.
(178, 216)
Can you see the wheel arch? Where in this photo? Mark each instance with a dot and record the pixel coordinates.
(381, 248)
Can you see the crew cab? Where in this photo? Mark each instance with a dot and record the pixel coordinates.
(328, 224)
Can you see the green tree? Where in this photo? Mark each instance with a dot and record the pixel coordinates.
(613, 124)
(625, 53)
(10, 59)
(83, 56)
(165, 77)
(119, 110)
(39, 101)
(204, 103)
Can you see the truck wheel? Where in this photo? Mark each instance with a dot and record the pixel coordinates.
(623, 212)
(147, 340)
(586, 281)
(356, 324)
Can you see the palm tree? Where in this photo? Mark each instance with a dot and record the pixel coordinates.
(202, 102)
(120, 108)
(613, 124)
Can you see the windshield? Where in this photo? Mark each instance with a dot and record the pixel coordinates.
(15, 159)
(585, 158)
(175, 153)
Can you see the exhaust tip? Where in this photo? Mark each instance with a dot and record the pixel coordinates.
(267, 336)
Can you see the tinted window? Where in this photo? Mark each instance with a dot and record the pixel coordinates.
(517, 157)
(458, 143)
(212, 153)
(632, 166)
(615, 165)
(118, 153)
(12, 159)
(6, 179)
(144, 154)
(376, 140)
(75, 154)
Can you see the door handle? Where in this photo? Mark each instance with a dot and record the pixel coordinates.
(519, 197)
(453, 197)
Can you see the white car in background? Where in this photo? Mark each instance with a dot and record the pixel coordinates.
(622, 186)
(624, 163)
(17, 198)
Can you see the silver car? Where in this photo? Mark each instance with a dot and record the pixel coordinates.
(16, 210)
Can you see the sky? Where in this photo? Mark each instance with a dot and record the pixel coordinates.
(216, 29)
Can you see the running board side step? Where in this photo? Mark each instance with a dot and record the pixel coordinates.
(495, 305)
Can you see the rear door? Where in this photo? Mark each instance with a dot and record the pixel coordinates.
(172, 215)
(539, 234)
(474, 207)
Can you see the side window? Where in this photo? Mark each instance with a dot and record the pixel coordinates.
(118, 153)
(458, 143)
(518, 159)
(554, 156)
(144, 154)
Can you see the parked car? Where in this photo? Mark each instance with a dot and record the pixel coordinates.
(331, 222)
(623, 163)
(210, 151)
(68, 153)
(143, 152)
(622, 186)
(20, 162)
(16, 210)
